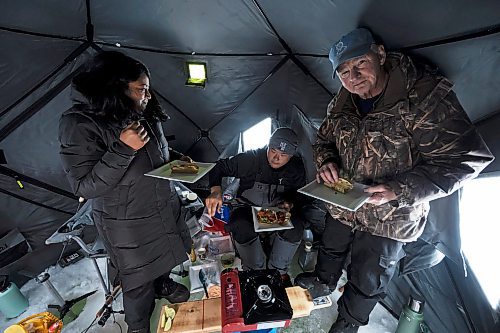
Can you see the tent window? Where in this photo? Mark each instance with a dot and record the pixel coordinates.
(257, 136)
(480, 229)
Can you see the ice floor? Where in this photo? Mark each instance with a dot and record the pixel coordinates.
(80, 278)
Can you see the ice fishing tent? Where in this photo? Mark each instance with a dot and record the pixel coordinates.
(264, 59)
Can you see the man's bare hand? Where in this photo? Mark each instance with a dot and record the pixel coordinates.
(381, 194)
(134, 136)
(329, 173)
(214, 201)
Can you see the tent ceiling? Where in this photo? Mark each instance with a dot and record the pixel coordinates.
(253, 50)
(185, 26)
(233, 28)
(61, 18)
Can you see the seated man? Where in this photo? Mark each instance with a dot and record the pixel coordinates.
(269, 177)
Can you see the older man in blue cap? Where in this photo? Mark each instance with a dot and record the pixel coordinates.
(269, 177)
(397, 127)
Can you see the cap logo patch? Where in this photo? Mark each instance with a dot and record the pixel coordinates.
(340, 47)
(282, 146)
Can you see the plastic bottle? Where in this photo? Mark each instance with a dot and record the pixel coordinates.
(202, 246)
(412, 317)
(192, 254)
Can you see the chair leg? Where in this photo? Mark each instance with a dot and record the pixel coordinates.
(101, 278)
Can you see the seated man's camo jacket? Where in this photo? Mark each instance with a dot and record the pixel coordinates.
(417, 139)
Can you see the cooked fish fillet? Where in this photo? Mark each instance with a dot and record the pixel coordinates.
(185, 168)
(342, 185)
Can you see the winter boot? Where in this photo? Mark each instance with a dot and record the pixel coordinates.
(311, 282)
(282, 253)
(251, 253)
(173, 291)
(343, 326)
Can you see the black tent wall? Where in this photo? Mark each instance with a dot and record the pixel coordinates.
(265, 59)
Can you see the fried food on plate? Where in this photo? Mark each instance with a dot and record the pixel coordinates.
(342, 185)
(270, 216)
(191, 168)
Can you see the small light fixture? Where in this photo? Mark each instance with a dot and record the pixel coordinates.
(197, 74)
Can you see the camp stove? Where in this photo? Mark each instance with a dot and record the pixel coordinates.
(253, 300)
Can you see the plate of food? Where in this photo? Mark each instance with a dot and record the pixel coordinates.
(187, 172)
(342, 193)
(271, 219)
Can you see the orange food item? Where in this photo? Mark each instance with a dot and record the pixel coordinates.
(214, 291)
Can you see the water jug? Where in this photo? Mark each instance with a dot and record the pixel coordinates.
(12, 302)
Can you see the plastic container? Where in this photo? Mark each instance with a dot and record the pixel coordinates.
(205, 220)
(202, 247)
(191, 197)
(12, 302)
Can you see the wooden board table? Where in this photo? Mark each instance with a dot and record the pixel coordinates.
(204, 316)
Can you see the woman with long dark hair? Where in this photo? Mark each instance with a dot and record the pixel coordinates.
(109, 138)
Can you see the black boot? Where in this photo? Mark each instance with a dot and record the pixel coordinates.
(173, 291)
(311, 282)
(343, 326)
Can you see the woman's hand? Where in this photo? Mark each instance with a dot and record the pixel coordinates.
(214, 201)
(134, 136)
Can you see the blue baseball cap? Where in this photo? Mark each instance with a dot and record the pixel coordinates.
(355, 44)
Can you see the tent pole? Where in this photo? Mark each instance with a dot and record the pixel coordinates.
(39, 34)
(37, 105)
(68, 59)
(465, 36)
(33, 202)
(295, 60)
(18, 176)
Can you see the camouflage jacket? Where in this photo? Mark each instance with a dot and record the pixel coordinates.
(417, 139)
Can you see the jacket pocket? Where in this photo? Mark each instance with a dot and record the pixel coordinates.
(131, 233)
(388, 265)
